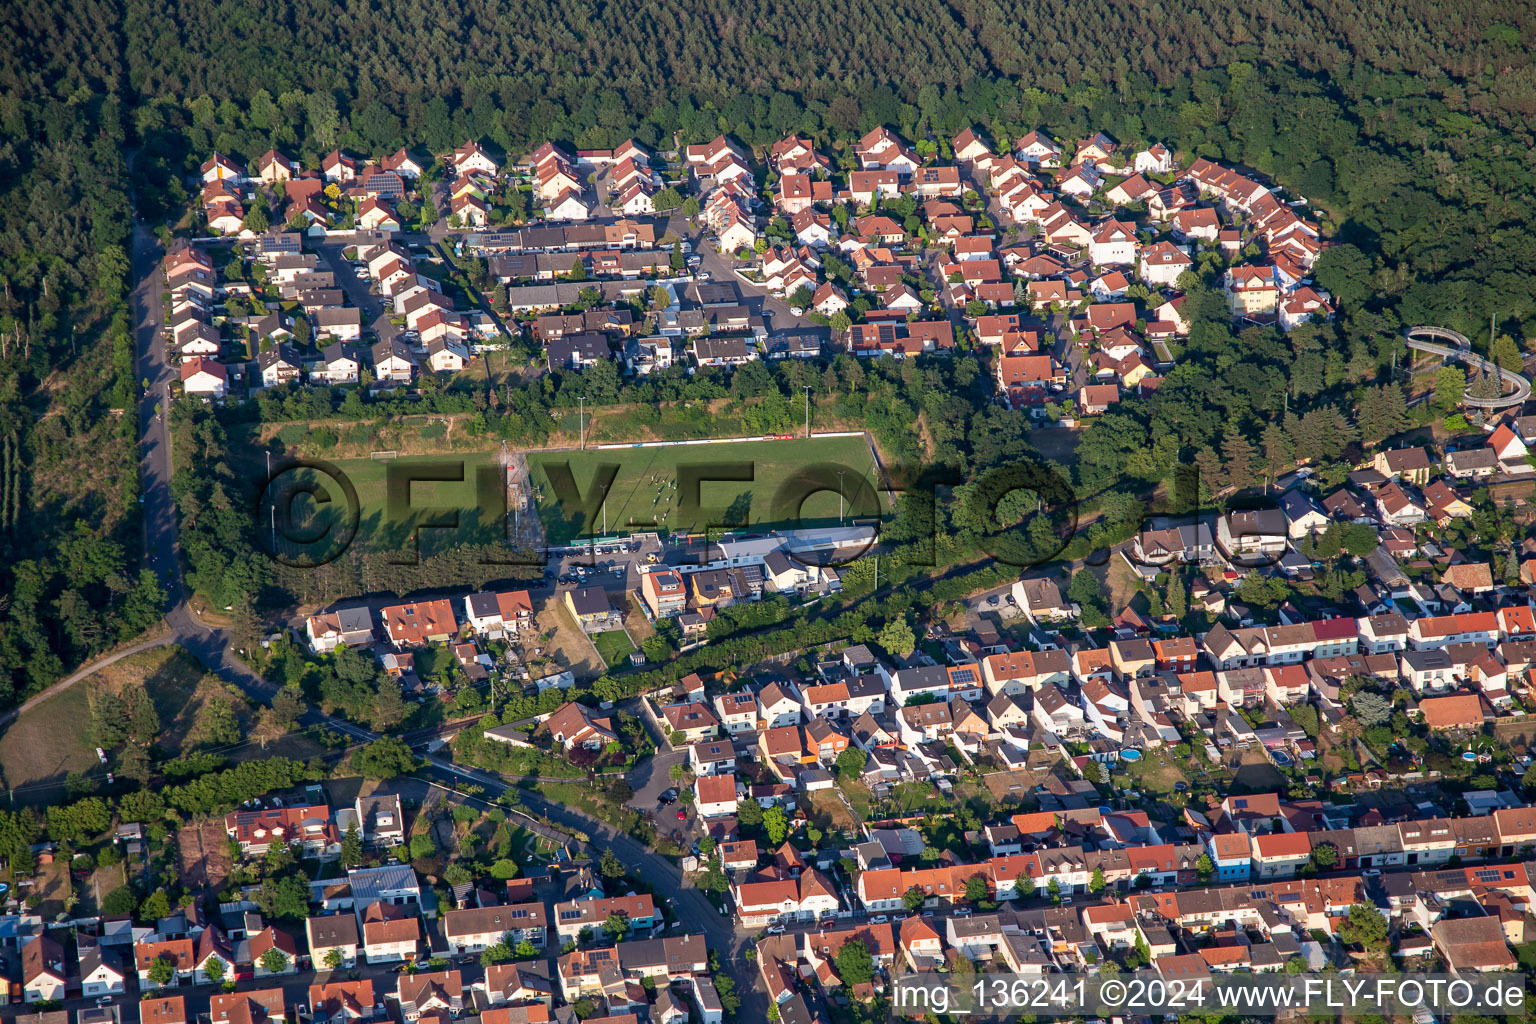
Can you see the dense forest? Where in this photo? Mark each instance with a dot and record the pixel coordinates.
(69, 547)
(1408, 125)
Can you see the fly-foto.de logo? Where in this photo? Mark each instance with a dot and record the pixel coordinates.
(310, 512)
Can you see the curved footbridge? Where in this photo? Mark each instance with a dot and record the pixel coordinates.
(1461, 349)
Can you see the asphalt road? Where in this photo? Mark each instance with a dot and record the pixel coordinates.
(723, 269)
(213, 646)
(375, 315)
(154, 413)
(691, 906)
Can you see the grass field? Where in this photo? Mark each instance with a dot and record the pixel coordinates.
(758, 483)
(477, 498)
(613, 646)
(44, 745)
(41, 747)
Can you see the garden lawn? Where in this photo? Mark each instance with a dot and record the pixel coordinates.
(613, 646)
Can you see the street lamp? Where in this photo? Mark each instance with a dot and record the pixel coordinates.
(840, 496)
(807, 388)
(581, 432)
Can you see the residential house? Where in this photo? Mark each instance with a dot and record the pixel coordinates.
(1302, 515)
(349, 627)
(253, 1006)
(695, 721)
(663, 591)
(1114, 243)
(340, 363)
(344, 1002)
(43, 976)
(429, 992)
(474, 929)
(102, 973)
(1462, 712)
(279, 365)
(791, 900)
(592, 610)
(1473, 945)
(308, 828)
(380, 819)
(1256, 537)
(1155, 159)
(639, 911)
(1279, 854)
(204, 378)
(1161, 264)
(495, 614)
(445, 355)
(1395, 506)
(181, 953)
(391, 933)
(574, 725)
(737, 712)
(1041, 601)
(333, 937)
(392, 361)
(520, 987)
(716, 795)
(1410, 465)
(419, 623)
(163, 1010)
(778, 705)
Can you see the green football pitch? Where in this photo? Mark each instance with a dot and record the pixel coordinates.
(690, 489)
(779, 484)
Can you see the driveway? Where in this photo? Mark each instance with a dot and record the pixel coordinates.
(997, 601)
(1068, 352)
